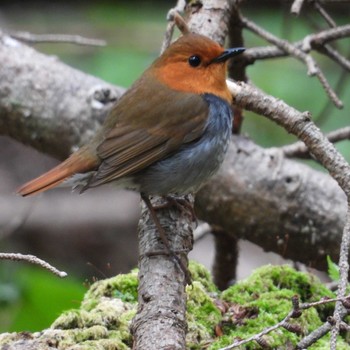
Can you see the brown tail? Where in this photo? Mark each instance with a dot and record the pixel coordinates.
(79, 162)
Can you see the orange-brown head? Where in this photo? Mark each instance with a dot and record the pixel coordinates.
(195, 63)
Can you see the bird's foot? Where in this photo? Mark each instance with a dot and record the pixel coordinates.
(165, 241)
(181, 203)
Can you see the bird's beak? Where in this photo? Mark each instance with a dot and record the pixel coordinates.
(228, 53)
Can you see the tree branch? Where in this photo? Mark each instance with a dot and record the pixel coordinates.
(40, 98)
(312, 66)
(32, 260)
(320, 9)
(76, 124)
(296, 7)
(56, 38)
(299, 149)
(301, 125)
(280, 204)
(160, 322)
(297, 123)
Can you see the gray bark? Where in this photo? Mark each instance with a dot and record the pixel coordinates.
(160, 322)
(328, 221)
(47, 104)
(280, 204)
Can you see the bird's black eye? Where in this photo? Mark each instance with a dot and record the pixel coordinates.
(194, 61)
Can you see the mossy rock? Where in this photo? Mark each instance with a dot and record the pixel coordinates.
(215, 319)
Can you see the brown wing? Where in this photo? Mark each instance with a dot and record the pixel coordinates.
(145, 131)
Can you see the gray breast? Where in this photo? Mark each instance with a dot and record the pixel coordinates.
(194, 163)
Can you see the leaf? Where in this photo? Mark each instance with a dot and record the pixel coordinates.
(333, 269)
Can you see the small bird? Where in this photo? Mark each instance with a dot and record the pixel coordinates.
(167, 134)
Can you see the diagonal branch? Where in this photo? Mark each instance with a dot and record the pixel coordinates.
(296, 7)
(312, 67)
(299, 149)
(325, 36)
(56, 38)
(321, 10)
(33, 260)
(297, 123)
(300, 124)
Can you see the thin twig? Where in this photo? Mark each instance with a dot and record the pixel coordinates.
(314, 336)
(335, 56)
(33, 260)
(296, 312)
(318, 333)
(168, 34)
(344, 270)
(282, 44)
(315, 41)
(324, 14)
(312, 67)
(296, 7)
(306, 306)
(325, 36)
(173, 19)
(258, 336)
(56, 38)
(299, 150)
(267, 52)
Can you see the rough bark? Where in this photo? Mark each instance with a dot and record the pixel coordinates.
(160, 322)
(60, 147)
(280, 204)
(27, 121)
(47, 104)
(210, 18)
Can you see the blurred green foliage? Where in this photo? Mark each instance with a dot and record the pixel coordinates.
(31, 299)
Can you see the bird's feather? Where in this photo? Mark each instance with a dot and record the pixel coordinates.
(134, 143)
(78, 162)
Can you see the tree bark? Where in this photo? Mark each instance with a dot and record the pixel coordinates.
(280, 204)
(45, 103)
(47, 115)
(160, 322)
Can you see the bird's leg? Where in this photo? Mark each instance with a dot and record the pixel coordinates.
(165, 240)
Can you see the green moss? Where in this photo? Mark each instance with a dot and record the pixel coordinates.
(122, 286)
(103, 320)
(200, 274)
(202, 316)
(269, 291)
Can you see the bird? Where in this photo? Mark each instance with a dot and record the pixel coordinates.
(167, 134)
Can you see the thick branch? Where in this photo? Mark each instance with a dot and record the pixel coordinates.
(47, 104)
(57, 38)
(296, 123)
(160, 322)
(46, 120)
(281, 205)
(210, 18)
